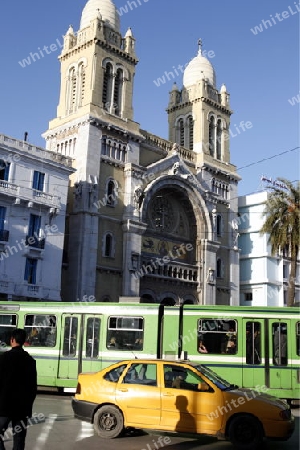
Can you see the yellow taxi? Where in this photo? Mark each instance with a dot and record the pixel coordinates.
(182, 397)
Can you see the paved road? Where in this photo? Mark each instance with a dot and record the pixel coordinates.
(60, 431)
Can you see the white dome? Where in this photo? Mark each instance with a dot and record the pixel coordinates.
(198, 69)
(107, 10)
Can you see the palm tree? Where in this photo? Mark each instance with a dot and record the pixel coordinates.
(283, 225)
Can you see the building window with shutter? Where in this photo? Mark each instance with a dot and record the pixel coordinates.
(38, 181)
(4, 170)
(30, 270)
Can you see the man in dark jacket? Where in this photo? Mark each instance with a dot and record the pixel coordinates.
(18, 387)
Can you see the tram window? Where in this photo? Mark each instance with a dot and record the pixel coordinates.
(298, 338)
(40, 330)
(92, 337)
(125, 333)
(253, 343)
(279, 333)
(70, 336)
(217, 336)
(7, 323)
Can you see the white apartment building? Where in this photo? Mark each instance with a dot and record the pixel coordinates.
(33, 197)
(263, 277)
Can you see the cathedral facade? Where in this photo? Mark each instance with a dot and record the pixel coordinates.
(149, 219)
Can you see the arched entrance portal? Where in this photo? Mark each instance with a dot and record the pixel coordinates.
(169, 249)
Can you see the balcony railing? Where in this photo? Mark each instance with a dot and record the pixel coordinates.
(33, 241)
(4, 235)
(183, 273)
(8, 188)
(33, 289)
(43, 196)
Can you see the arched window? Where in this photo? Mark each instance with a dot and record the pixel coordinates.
(72, 90)
(81, 72)
(219, 225)
(219, 268)
(111, 195)
(181, 132)
(219, 139)
(108, 245)
(191, 132)
(118, 92)
(107, 87)
(212, 136)
(105, 149)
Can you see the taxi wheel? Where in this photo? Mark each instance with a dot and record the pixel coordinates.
(108, 422)
(245, 432)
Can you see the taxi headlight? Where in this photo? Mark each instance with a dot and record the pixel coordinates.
(285, 414)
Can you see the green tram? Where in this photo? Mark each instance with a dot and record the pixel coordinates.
(248, 346)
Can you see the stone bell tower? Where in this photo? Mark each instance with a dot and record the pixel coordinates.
(94, 116)
(199, 120)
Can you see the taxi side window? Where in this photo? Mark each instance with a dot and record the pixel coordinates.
(115, 374)
(181, 378)
(145, 374)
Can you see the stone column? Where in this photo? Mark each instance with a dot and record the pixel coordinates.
(132, 244)
(209, 272)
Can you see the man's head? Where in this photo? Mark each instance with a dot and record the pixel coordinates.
(18, 337)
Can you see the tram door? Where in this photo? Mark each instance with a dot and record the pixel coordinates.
(91, 351)
(70, 354)
(253, 353)
(168, 333)
(280, 353)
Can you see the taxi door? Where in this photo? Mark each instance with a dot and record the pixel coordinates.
(138, 395)
(187, 410)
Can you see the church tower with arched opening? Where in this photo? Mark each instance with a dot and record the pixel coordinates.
(149, 219)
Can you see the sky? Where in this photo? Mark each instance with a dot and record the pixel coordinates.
(253, 46)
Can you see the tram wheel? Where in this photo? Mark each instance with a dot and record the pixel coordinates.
(245, 432)
(108, 422)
